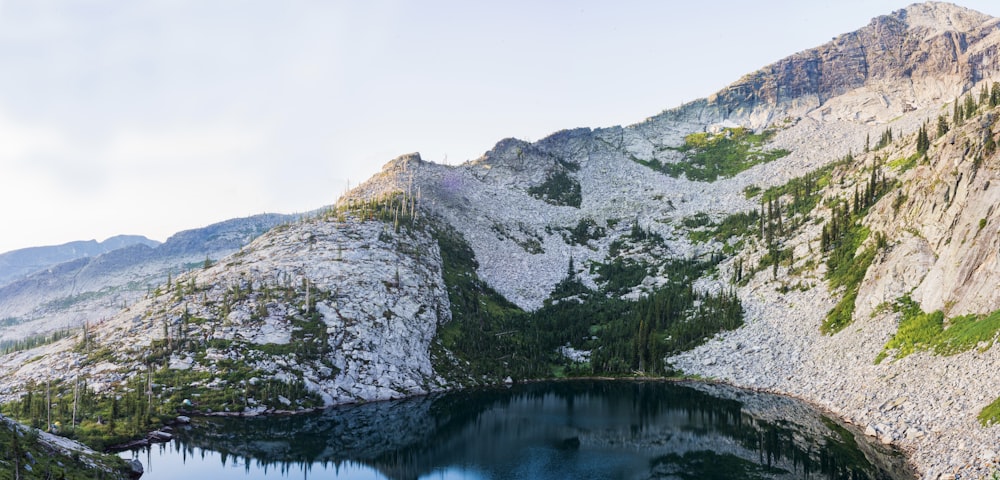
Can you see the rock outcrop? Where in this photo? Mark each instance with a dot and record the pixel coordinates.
(914, 58)
(347, 309)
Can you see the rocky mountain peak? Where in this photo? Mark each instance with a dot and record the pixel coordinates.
(402, 161)
(923, 55)
(939, 17)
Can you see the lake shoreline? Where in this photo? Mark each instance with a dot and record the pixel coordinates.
(692, 382)
(635, 417)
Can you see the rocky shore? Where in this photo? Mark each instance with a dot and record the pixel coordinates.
(924, 404)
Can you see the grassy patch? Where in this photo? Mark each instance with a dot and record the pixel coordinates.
(710, 156)
(922, 331)
(903, 164)
(990, 415)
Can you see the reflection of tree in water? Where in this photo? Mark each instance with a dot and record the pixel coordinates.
(650, 429)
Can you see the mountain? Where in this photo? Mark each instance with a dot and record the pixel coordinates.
(100, 278)
(824, 228)
(17, 264)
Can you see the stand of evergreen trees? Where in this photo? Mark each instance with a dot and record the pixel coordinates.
(624, 337)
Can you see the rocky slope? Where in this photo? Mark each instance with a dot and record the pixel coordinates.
(343, 310)
(96, 283)
(358, 304)
(36, 454)
(940, 251)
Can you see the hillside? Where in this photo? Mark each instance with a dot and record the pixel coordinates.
(30, 454)
(824, 228)
(84, 282)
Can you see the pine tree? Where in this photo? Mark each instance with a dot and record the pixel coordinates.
(942, 126)
(970, 106)
(923, 143)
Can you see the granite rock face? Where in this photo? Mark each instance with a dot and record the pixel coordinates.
(922, 54)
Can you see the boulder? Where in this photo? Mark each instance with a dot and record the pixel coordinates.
(135, 469)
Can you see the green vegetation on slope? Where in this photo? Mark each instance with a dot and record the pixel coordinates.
(27, 343)
(783, 209)
(486, 330)
(558, 189)
(842, 237)
(495, 339)
(155, 394)
(990, 415)
(805, 191)
(922, 331)
(903, 164)
(23, 455)
(708, 156)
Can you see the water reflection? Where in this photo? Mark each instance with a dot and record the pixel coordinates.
(578, 429)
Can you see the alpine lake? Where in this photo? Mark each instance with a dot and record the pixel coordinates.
(588, 429)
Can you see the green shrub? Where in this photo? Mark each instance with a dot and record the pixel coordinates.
(709, 156)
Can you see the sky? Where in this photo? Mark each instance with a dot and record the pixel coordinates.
(152, 117)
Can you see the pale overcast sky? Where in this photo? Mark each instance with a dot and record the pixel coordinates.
(152, 117)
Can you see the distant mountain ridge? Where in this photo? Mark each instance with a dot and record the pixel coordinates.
(17, 264)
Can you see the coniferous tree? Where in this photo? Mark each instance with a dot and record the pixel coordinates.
(970, 106)
(942, 126)
(923, 143)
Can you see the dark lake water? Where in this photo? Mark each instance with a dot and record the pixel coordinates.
(574, 429)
